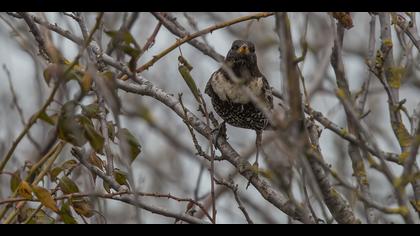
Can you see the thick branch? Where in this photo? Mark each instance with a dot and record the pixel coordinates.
(146, 88)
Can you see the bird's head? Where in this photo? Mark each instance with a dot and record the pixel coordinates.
(242, 56)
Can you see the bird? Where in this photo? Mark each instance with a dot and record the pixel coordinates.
(226, 90)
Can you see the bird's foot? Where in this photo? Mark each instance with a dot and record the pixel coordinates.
(255, 172)
(218, 132)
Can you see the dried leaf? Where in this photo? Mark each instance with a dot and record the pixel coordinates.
(91, 111)
(96, 161)
(82, 207)
(45, 197)
(86, 82)
(344, 18)
(53, 71)
(40, 216)
(24, 190)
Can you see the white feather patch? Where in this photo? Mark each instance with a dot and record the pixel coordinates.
(229, 91)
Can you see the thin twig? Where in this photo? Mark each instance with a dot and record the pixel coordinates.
(18, 108)
(132, 200)
(234, 189)
(187, 38)
(151, 40)
(177, 29)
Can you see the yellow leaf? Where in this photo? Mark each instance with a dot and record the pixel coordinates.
(45, 197)
(24, 190)
(86, 82)
(14, 181)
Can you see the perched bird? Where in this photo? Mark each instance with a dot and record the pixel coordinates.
(226, 89)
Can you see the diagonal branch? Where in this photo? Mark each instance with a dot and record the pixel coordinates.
(146, 88)
(207, 30)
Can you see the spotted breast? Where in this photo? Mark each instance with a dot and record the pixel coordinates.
(235, 106)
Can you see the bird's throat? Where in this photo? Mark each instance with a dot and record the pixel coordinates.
(244, 70)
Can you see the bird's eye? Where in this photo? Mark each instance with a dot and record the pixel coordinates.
(235, 47)
(252, 49)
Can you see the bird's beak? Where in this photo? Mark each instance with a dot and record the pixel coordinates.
(243, 49)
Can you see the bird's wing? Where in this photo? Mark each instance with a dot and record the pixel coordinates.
(209, 90)
(268, 93)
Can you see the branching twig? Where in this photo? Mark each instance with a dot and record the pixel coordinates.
(277, 199)
(132, 200)
(174, 27)
(207, 30)
(234, 189)
(18, 107)
(37, 34)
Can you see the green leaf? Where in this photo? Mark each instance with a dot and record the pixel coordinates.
(185, 73)
(95, 139)
(68, 127)
(15, 180)
(107, 187)
(131, 51)
(67, 185)
(130, 145)
(69, 165)
(54, 172)
(184, 62)
(91, 111)
(45, 197)
(120, 176)
(82, 207)
(45, 117)
(66, 215)
(111, 130)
